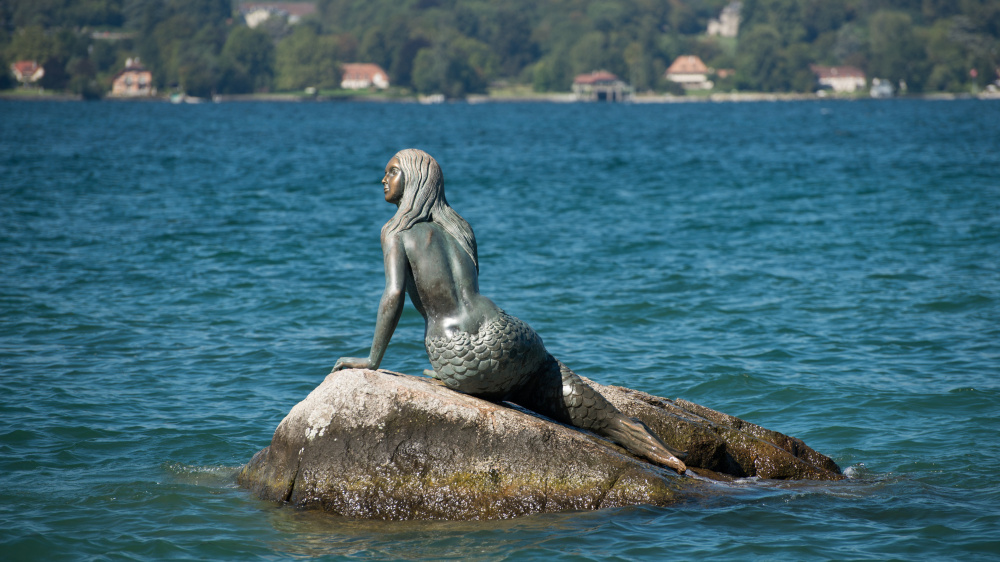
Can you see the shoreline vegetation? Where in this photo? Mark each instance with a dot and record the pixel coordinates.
(520, 50)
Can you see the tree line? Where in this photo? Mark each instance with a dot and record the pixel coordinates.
(458, 47)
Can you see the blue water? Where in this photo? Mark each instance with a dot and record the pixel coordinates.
(173, 279)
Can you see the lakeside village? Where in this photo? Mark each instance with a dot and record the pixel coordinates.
(368, 81)
(135, 82)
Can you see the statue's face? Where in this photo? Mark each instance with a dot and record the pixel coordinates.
(392, 183)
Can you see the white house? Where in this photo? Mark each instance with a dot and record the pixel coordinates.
(840, 78)
(690, 72)
(256, 13)
(256, 17)
(27, 71)
(362, 75)
(728, 24)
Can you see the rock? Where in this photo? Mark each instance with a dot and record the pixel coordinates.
(390, 446)
(383, 445)
(721, 446)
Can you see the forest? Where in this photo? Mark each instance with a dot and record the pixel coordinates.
(460, 47)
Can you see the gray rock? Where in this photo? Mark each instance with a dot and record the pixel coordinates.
(721, 446)
(383, 445)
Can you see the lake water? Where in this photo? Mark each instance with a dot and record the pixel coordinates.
(174, 278)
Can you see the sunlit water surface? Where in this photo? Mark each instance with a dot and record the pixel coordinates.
(176, 278)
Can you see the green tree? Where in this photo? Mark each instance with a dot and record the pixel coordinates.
(455, 69)
(248, 61)
(464, 44)
(760, 64)
(64, 13)
(552, 73)
(31, 43)
(895, 53)
(180, 40)
(591, 52)
(638, 66)
(52, 50)
(783, 17)
(373, 48)
(850, 45)
(392, 46)
(946, 57)
(83, 78)
(197, 73)
(683, 19)
(508, 34)
(305, 58)
(824, 16)
(403, 60)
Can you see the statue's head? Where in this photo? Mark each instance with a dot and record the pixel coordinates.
(413, 181)
(393, 181)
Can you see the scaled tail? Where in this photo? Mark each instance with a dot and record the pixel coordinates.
(559, 393)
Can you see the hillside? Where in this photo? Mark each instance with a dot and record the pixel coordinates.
(462, 46)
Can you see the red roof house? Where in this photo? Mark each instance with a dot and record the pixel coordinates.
(596, 77)
(600, 85)
(27, 71)
(690, 72)
(360, 76)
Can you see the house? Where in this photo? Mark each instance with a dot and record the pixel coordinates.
(839, 78)
(256, 13)
(363, 75)
(728, 24)
(690, 72)
(134, 81)
(601, 85)
(27, 71)
(256, 17)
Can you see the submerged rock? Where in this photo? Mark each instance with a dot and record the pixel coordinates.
(382, 445)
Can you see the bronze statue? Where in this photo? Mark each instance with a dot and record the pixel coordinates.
(473, 345)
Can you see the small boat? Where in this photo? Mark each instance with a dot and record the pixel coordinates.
(881, 89)
(431, 99)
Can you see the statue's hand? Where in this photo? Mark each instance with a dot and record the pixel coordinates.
(353, 363)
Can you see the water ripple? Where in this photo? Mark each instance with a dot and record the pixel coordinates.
(172, 286)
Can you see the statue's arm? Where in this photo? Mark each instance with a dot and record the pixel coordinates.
(390, 308)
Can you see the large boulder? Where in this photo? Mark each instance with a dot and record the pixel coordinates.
(721, 446)
(383, 445)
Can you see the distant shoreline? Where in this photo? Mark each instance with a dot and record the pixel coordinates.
(731, 97)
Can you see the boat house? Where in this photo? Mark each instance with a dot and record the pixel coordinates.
(601, 85)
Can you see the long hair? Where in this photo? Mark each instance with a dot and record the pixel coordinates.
(423, 200)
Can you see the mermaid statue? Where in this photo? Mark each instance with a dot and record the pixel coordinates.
(474, 346)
